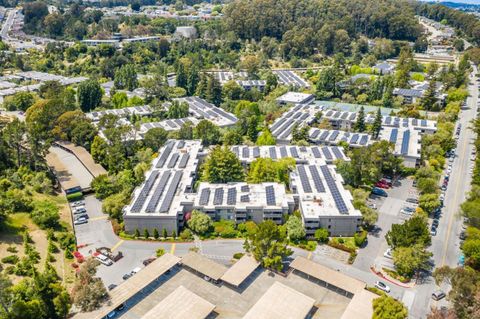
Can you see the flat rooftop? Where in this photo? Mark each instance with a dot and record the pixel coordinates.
(290, 78)
(143, 110)
(202, 109)
(333, 137)
(295, 98)
(406, 141)
(240, 270)
(281, 302)
(204, 265)
(181, 304)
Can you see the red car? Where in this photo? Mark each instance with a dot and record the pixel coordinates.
(382, 185)
(386, 182)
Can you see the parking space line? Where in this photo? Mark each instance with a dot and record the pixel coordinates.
(172, 250)
(309, 255)
(98, 218)
(117, 245)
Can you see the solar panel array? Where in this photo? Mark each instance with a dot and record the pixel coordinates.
(204, 110)
(304, 179)
(337, 196)
(393, 136)
(364, 140)
(317, 181)
(405, 142)
(184, 160)
(158, 192)
(327, 153)
(270, 195)
(142, 197)
(166, 152)
(173, 160)
(218, 196)
(204, 196)
(167, 201)
(244, 198)
(290, 78)
(337, 152)
(293, 151)
(231, 196)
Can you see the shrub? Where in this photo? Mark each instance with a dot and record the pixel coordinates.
(352, 257)
(321, 235)
(45, 214)
(186, 234)
(340, 246)
(12, 259)
(311, 245)
(360, 238)
(146, 234)
(160, 252)
(12, 249)
(137, 233)
(156, 235)
(74, 196)
(194, 249)
(341, 241)
(238, 255)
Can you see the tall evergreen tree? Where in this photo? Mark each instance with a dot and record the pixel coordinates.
(202, 86)
(192, 80)
(214, 91)
(377, 124)
(89, 95)
(181, 80)
(126, 78)
(429, 99)
(360, 124)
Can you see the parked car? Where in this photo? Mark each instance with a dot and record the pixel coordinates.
(387, 181)
(111, 286)
(382, 286)
(462, 235)
(412, 200)
(435, 222)
(78, 203)
(407, 210)
(126, 276)
(82, 215)
(382, 185)
(79, 210)
(379, 192)
(433, 231)
(437, 295)
(148, 261)
(80, 221)
(104, 260)
(388, 253)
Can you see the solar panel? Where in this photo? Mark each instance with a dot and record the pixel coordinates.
(142, 196)
(158, 192)
(181, 144)
(245, 198)
(364, 140)
(173, 160)
(414, 122)
(388, 120)
(256, 152)
(245, 188)
(304, 179)
(316, 152)
(235, 150)
(303, 149)
(218, 196)
(184, 160)
(405, 142)
(354, 139)
(273, 153)
(204, 196)
(393, 136)
(423, 123)
(172, 189)
(333, 136)
(315, 134)
(245, 152)
(231, 196)
(337, 153)
(323, 136)
(293, 151)
(270, 195)
(337, 197)
(166, 152)
(327, 153)
(283, 152)
(317, 181)
(352, 116)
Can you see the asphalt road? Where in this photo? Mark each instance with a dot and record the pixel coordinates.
(8, 24)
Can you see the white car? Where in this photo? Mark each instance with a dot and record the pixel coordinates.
(78, 203)
(388, 253)
(380, 285)
(104, 260)
(79, 221)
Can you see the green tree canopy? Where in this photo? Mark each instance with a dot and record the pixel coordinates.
(199, 222)
(222, 166)
(385, 307)
(89, 95)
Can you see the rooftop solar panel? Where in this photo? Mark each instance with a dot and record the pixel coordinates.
(352, 116)
(235, 150)
(218, 196)
(423, 123)
(315, 133)
(337, 197)
(273, 153)
(316, 152)
(317, 181)
(246, 152)
(158, 192)
(327, 153)
(294, 152)
(354, 139)
(231, 196)
(270, 195)
(283, 152)
(405, 142)
(181, 144)
(414, 122)
(337, 153)
(245, 198)
(140, 201)
(172, 189)
(256, 152)
(323, 136)
(333, 136)
(304, 179)
(173, 160)
(388, 120)
(184, 160)
(364, 140)
(245, 188)
(393, 136)
(166, 152)
(204, 196)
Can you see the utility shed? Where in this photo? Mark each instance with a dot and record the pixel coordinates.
(203, 265)
(328, 277)
(181, 304)
(237, 274)
(281, 302)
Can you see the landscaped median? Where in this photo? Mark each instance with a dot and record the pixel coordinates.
(389, 275)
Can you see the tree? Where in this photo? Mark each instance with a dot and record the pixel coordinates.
(207, 132)
(408, 260)
(88, 292)
(178, 110)
(428, 202)
(232, 137)
(213, 91)
(45, 214)
(268, 245)
(156, 235)
(19, 101)
(222, 166)
(266, 138)
(119, 100)
(377, 124)
(385, 307)
(300, 134)
(411, 232)
(429, 98)
(126, 77)
(251, 64)
(321, 235)
(199, 222)
(181, 75)
(295, 229)
(89, 95)
(267, 170)
(155, 138)
(326, 84)
(360, 124)
(192, 80)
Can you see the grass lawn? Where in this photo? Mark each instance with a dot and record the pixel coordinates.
(347, 241)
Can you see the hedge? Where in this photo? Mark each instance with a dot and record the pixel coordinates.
(74, 196)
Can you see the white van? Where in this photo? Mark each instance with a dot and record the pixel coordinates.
(104, 260)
